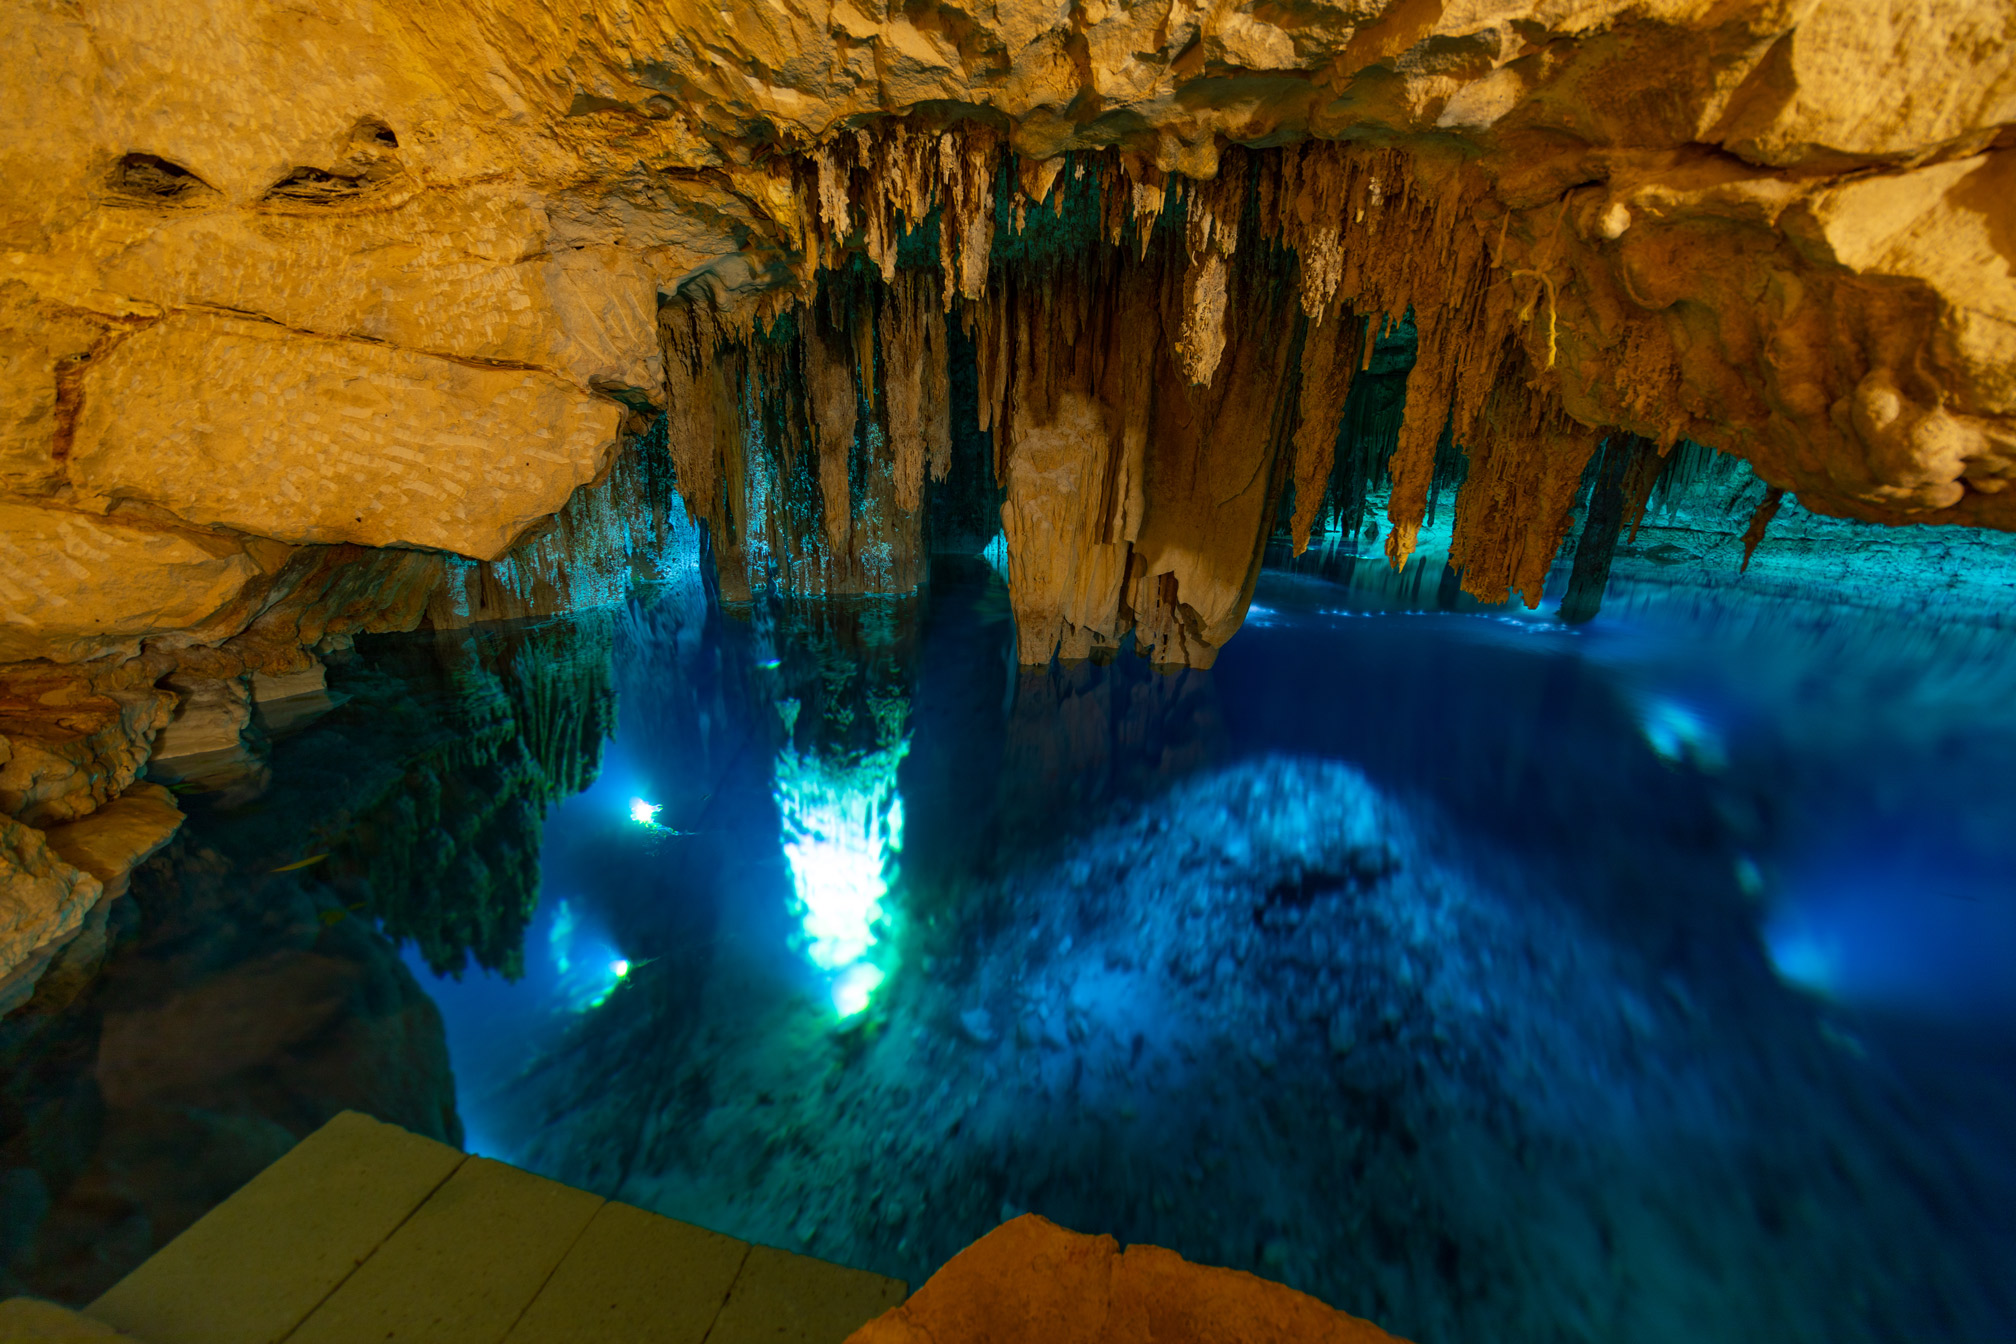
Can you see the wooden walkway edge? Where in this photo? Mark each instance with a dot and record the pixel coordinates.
(367, 1232)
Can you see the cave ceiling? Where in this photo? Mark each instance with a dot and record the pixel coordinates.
(396, 275)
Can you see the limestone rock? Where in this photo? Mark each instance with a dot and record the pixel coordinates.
(379, 274)
(1032, 1282)
(43, 902)
(119, 837)
(54, 885)
(310, 680)
(74, 587)
(212, 716)
(70, 740)
(308, 439)
(108, 845)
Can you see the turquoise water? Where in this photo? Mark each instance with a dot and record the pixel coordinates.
(1493, 979)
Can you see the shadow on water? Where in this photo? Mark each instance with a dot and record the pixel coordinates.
(1485, 977)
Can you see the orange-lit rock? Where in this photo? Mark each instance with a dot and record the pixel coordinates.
(251, 427)
(74, 587)
(1032, 1282)
(377, 273)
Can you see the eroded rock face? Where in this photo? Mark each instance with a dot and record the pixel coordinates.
(54, 885)
(68, 744)
(248, 426)
(370, 274)
(74, 587)
(1031, 1280)
(43, 901)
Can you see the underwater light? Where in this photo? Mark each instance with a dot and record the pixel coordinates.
(853, 987)
(1678, 735)
(586, 966)
(643, 813)
(1802, 957)
(843, 823)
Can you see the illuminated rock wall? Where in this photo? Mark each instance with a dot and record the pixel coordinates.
(295, 307)
(417, 294)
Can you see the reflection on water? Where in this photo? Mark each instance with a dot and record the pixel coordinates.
(842, 820)
(1645, 980)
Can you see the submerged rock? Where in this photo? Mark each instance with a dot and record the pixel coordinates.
(231, 1018)
(1288, 1024)
(54, 887)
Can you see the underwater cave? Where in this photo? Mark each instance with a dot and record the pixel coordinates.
(1142, 672)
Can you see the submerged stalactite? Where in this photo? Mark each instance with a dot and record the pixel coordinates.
(1157, 359)
(440, 841)
(1623, 480)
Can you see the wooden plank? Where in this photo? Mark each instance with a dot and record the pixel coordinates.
(26, 1319)
(255, 1266)
(781, 1298)
(637, 1278)
(463, 1267)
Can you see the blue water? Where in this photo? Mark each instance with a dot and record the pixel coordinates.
(1699, 1013)
(1494, 979)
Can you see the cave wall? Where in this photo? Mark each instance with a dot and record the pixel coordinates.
(417, 256)
(303, 313)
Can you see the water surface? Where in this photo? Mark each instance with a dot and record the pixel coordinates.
(1487, 977)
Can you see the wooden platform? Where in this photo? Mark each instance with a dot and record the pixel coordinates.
(367, 1232)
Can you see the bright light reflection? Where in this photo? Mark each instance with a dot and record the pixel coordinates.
(853, 986)
(586, 967)
(643, 813)
(1677, 734)
(1802, 957)
(843, 825)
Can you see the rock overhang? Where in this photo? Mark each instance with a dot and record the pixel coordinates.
(1773, 228)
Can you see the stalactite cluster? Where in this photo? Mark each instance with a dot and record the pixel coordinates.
(804, 443)
(440, 841)
(1159, 359)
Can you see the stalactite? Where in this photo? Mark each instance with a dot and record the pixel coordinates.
(1330, 356)
(1753, 535)
(803, 441)
(916, 387)
(1201, 342)
(1155, 359)
(1630, 463)
(829, 378)
(688, 337)
(1526, 465)
(1369, 434)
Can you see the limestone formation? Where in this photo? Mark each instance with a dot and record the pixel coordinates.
(307, 439)
(54, 886)
(279, 290)
(75, 587)
(120, 836)
(69, 744)
(43, 902)
(1030, 1280)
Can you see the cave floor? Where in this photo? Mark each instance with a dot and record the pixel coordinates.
(365, 1231)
